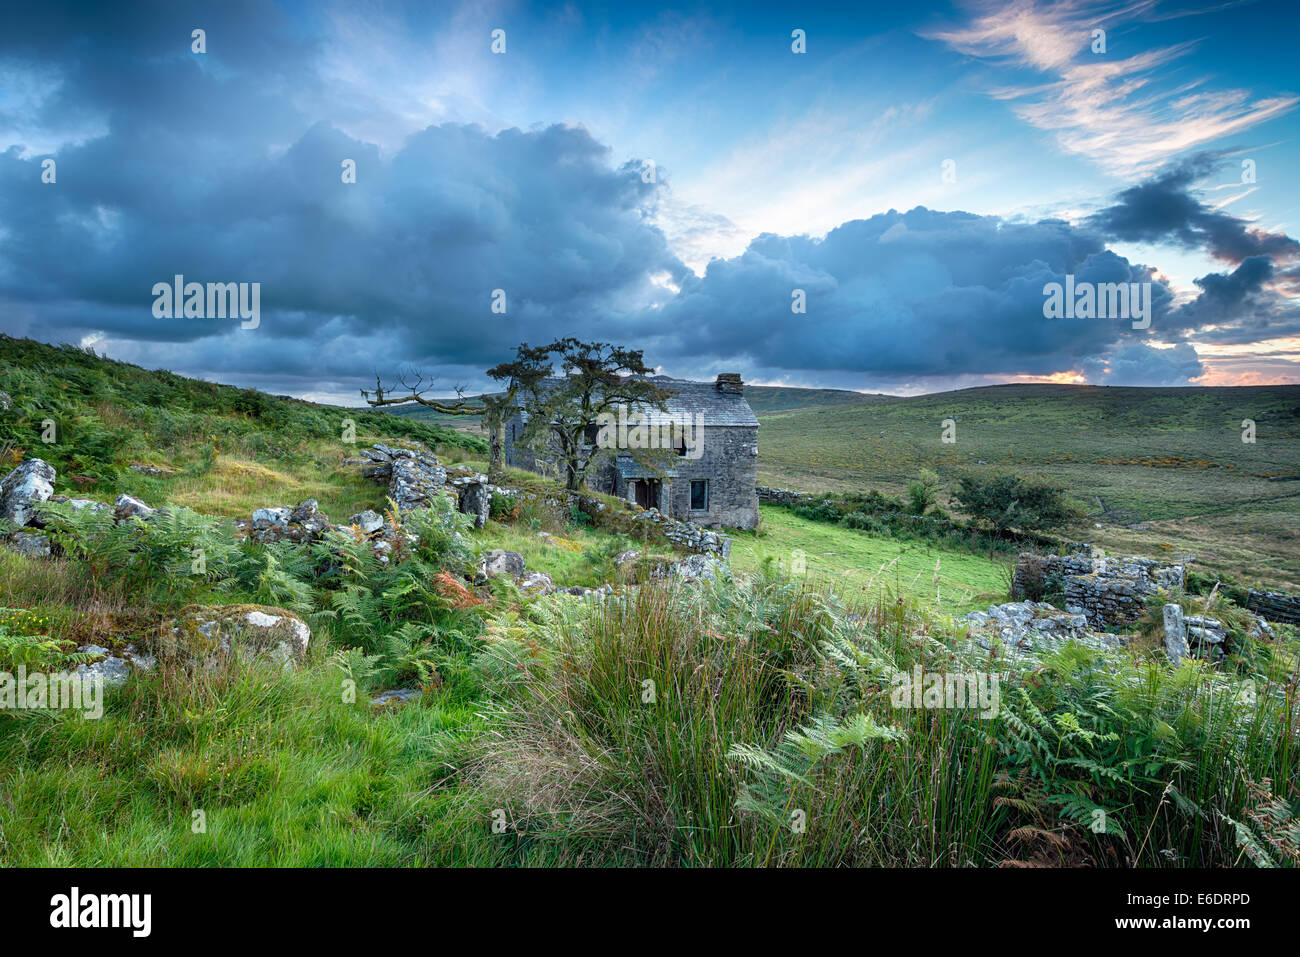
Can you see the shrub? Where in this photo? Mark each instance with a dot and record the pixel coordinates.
(923, 492)
(1013, 501)
(503, 507)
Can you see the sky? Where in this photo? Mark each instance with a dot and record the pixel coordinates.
(858, 196)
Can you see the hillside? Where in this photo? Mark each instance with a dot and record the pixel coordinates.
(1160, 470)
(373, 696)
(214, 448)
(762, 399)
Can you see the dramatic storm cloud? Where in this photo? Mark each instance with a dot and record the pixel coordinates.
(228, 166)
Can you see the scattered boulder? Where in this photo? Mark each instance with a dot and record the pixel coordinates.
(582, 591)
(153, 471)
(1025, 627)
(368, 521)
(305, 522)
(1261, 630)
(498, 562)
(265, 518)
(536, 583)
(30, 544)
(29, 483)
(693, 568)
(110, 669)
(126, 507)
(209, 635)
(395, 696)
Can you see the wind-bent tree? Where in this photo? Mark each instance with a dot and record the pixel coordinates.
(595, 378)
(408, 391)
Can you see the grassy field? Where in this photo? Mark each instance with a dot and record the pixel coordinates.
(864, 568)
(1168, 459)
(771, 691)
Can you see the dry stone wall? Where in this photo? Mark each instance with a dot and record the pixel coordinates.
(1275, 606)
(1109, 590)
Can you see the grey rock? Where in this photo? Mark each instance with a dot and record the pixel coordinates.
(265, 518)
(395, 696)
(497, 562)
(369, 521)
(30, 544)
(29, 483)
(536, 583)
(693, 568)
(475, 498)
(1175, 634)
(1029, 627)
(414, 479)
(127, 507)
(111, 671)
(207, 635)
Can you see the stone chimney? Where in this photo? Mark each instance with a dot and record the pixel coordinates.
(730, 384)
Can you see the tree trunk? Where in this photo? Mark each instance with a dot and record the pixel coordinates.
(496, 439)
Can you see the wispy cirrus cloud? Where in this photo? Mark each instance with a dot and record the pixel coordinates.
(1114, 110)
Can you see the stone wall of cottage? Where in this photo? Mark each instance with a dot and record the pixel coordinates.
(729, 463)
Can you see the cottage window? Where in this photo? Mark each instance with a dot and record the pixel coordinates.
(700, 496)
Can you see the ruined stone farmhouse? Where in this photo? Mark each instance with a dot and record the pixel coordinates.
(707, 476)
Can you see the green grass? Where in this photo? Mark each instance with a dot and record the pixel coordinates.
(573, 556)
(1169, 457)
(284, 772)
(772, 695)
(862, 567)
(227, 450)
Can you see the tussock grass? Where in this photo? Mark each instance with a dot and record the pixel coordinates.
(772, 708)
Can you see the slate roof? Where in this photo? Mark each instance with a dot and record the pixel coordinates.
(630, 468)
(691, 399)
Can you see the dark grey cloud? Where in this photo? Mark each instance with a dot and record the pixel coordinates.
(1165, 209)
(222, 169)
(918, 293)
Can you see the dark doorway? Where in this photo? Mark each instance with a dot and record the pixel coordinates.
(647, 493)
